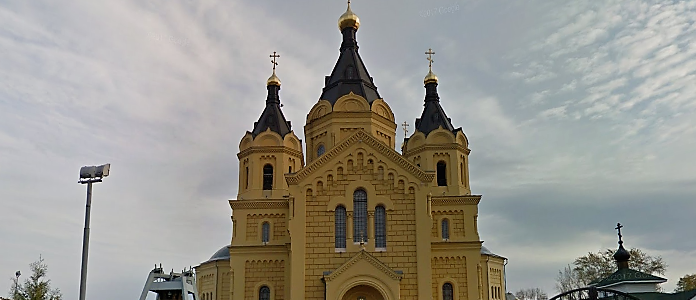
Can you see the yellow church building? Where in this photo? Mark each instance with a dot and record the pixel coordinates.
(352, 218)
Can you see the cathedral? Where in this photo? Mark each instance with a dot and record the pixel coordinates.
(348, 217)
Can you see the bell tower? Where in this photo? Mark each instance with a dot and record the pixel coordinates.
(436, 145)
(270, 150)
(349, 100)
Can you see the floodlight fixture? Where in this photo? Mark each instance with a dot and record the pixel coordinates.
(89, 175)
(94, 173)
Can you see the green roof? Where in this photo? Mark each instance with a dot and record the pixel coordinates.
(628, 275)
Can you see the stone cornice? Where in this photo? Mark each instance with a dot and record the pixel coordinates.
(450, 146)
(360, 136)
(258, 204)
(439, 246)
(269, 149)
(455, 200)
(363, 255)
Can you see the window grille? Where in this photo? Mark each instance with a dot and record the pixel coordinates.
(340, 222)
(360, 216)
(380, 227)
(447, 291)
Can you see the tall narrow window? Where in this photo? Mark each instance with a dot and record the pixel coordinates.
(445, 229)
(340, 221)
(320, 150)
(246, 178)
(447, 291)
(441, 173)
(359, 216)
(268, 177)
(265, 232)
(265, 293)
(380, 228)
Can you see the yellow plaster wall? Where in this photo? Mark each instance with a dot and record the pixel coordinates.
(264, 272)
(452, 270)
(320, 252)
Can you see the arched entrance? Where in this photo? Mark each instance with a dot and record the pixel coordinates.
(363, 292)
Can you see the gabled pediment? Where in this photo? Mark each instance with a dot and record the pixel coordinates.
(363, 263)
(365, 139)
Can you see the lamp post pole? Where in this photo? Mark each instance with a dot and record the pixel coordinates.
(85, 243)
(89, 175)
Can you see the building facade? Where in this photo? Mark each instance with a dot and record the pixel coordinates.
(350, 217)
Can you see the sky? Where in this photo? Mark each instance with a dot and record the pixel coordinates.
(580, 114)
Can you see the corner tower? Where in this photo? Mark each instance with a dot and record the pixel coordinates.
(436, 145)
(349, 100)
(270, 150)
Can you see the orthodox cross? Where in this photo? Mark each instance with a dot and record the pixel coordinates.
(618, 227)
(362, 240)
(404, 126)
(274, 62)
(430, 58)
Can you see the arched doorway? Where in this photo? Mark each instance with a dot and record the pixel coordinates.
(363, 292)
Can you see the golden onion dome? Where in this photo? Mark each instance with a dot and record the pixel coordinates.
(430, 78)
(348, 19)
(273, 80)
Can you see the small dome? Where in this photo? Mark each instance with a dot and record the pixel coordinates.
(273, 80)
(222, 254)
(430, 78)
(348, 19)
(622, 255)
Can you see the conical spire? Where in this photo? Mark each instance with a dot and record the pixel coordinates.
(433, 116)
(349, 74)
(272, 117)
(621, 256)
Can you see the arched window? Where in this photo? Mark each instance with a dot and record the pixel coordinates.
(340, 222)
(380, 228)
(265, 232)
(441, 173)
(265, 293)
(447, 291)
(268, 177)
(321, 150)
(445, 229)
(359, 216)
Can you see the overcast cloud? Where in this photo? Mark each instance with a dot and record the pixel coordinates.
(580, 115)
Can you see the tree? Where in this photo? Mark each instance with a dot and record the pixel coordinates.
(531, 294)
(597, 266)
(686, 283)
(37, 286)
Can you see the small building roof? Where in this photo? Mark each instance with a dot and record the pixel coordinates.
(222, 254)
(629, 276)
(485, 251)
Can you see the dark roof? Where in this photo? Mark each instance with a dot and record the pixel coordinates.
(686, 295)
(433, 115)
(222, 254)
(272, 117)
(349, 74)
(629, 275)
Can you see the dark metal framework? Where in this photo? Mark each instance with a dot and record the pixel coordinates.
(594, 293)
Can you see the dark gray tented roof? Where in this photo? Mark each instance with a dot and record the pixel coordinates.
(272, 117)
(349, 74)
(222, 254)
(433, 116)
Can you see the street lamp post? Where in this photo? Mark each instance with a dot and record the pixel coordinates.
(16, 291)
(89, 175)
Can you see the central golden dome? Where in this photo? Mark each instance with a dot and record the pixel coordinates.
(273, 80)
(348, 19)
